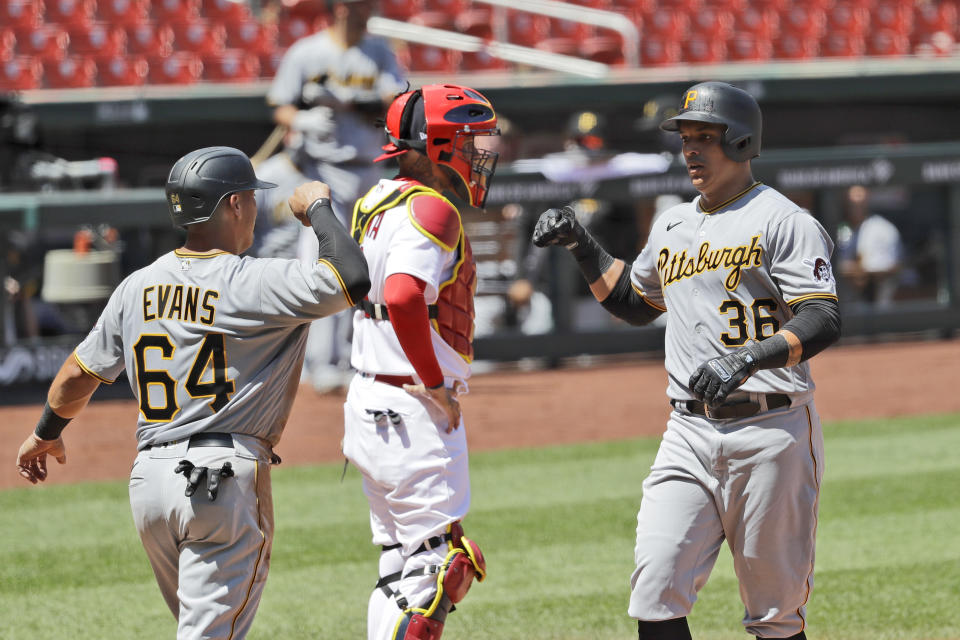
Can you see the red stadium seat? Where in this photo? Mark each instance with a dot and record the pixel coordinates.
(232, 65)
(427, 59)
(571, 29)
(762, 23)
(704, 51)
(482, 61)
(48, 43)
(150, 39)
(227, 11)
(292, 29)
(250, 35)
(938, 44)
(656, 51)
(848, 18)
(175, 10)
(452, 8)
(21, 14)
(887, 42)
(527, 28)
(71, 72)
(749, 47)
(563, 46)
(269, 63)
(70, 12)
(122, 71)
(842, 45)
(605, 49)
(476, 21)
(932, 17)
(400, 9)
(182, 67)
(98, 39)
(309, 10)
(434, 19)
(21, 73)
(124, 12)
(199, 36)
(791, 47)
(803, 22)
(711, 23)
(8, 44)
(893, 16)
(667, 23)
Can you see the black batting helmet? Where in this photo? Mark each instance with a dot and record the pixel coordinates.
(202, 178)
(722, 103)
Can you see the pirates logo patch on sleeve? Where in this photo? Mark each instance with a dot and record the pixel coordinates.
(822, 271)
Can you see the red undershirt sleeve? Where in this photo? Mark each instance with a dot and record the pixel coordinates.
(408, 313)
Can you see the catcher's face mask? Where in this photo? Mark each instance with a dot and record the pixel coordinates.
(442, 121)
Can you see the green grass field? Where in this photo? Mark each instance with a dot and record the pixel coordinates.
(556, 526)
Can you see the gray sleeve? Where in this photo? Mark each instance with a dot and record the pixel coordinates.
(800, 252)
(645, 278)
(292, 292)
(288, 81)
(101, 353)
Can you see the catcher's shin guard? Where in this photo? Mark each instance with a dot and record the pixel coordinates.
(463, 563)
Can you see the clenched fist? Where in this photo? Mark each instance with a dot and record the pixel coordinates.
(558, 226)
(715, 379)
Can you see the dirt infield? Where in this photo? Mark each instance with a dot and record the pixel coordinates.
(517, 409)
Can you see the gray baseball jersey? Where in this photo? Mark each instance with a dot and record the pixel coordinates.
(205, 337)
(317, 70)
(726, 281)
(728, 276)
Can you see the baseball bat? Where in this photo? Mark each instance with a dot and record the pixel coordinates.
(269, 146)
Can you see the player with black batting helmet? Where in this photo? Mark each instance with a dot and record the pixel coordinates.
(212, 344)
(745, 274)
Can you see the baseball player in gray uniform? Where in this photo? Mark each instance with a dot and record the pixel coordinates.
(329, 91)
(212, 345)
(745, 275)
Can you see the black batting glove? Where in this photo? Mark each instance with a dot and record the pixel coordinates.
(715, 379)
(559, 226)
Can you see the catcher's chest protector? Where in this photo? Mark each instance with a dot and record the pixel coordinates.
(455, 310)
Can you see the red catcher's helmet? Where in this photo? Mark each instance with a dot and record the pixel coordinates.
(440, 121)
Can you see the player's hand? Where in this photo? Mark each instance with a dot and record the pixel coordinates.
(558, 226)
(317, 122)
(715, 379)
(32, 457)
(440, 398)
(304, 196)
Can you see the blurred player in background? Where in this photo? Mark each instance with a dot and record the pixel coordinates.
(328, 92)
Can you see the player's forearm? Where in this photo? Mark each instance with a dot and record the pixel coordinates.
(617, 295)
(71, 389)
(339, 249)
(815, 327)
(407, 308)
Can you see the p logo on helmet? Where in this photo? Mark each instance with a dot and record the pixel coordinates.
(691, 96)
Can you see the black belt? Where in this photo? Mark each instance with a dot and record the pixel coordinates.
(429, 543)
(378, 311)
(734, 409)
(200, 440)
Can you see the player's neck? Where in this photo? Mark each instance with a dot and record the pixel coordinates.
(341, 34)
(727, 190)
(202, 243)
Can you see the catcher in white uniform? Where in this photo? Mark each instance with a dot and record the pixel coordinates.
(412, 348)
(745, 276)
(212, 344)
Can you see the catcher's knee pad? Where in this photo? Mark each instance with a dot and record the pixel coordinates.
(463, 563)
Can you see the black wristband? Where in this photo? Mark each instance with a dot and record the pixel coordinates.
(318, 204)
(592, 259)
(50, 425)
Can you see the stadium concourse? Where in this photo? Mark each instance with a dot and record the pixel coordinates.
(519, 409)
